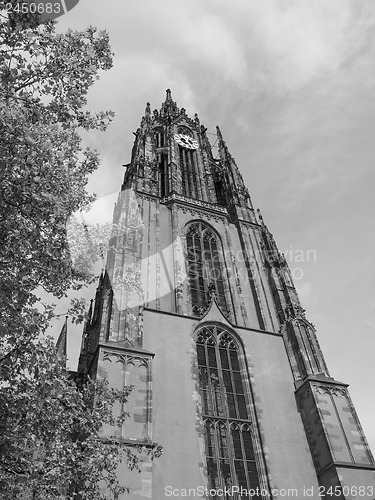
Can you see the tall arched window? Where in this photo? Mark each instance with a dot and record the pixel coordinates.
(204, 267)
(159, 135)
(188, 165)
(228, 429)
(188, 168)
(162, 159)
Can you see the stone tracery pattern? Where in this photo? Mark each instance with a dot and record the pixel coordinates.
(229, 433)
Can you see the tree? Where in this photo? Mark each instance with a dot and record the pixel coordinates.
(50, 432)
(49, 436)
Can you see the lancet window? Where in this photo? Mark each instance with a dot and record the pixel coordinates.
(229, 441)
(163, 173)
(205, 270)
(188, 168)
(159, 135)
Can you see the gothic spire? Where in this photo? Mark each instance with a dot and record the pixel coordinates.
(239, 194)
(89, 314)
(145, 122)
(86, 328)
(61, 344)
(169, 107)
(223, 150)
(169, 96)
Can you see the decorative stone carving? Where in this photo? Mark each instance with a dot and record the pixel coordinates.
(152, 199)
(131, 280)
(334, 391)
(196, 203)
(126, 358)
(200, 310)
(294, 311)
(201, 215)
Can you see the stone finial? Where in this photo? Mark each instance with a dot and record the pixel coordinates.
(203, 129)
(89, 314)
(169, 107)
(148, 113)
(61, 344)
(260, 216)
(219, 134)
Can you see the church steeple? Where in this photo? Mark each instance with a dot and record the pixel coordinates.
(198, 299)
(61, 344)
(172, 155)
(238, 197)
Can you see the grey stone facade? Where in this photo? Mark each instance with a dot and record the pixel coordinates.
(143, 329)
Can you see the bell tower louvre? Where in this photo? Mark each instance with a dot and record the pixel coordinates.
(197, 310)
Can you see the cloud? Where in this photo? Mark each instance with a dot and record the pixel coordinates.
(305, 290)
(210, 42)
(282, 45)
(302, 39)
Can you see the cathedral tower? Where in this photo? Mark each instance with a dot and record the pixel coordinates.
(198, 311)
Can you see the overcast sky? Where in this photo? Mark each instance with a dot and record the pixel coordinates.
(292, 86)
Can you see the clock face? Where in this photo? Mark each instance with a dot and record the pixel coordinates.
(186, 141)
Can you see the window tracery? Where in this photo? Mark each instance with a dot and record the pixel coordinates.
(205, 272)
(159, 137)
(188, 166)
(229, 446)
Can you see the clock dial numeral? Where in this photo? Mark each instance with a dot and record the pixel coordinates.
(186, 141)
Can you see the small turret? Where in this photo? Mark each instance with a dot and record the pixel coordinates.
(61, 344)
(169, 107)
(237, 195)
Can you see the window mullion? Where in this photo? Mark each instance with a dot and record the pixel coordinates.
(204, 270)
(233, 385)
(198, 264)
(217, 456)
(231, 454)
(212, 267)
(234, 461)
(231, 370)
(194, 161)
(196, 260)
(189, 167)
(211, 397)
(244, 461)
(226, 414)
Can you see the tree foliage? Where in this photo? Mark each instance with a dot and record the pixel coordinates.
(49, 435)
(51, 443)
